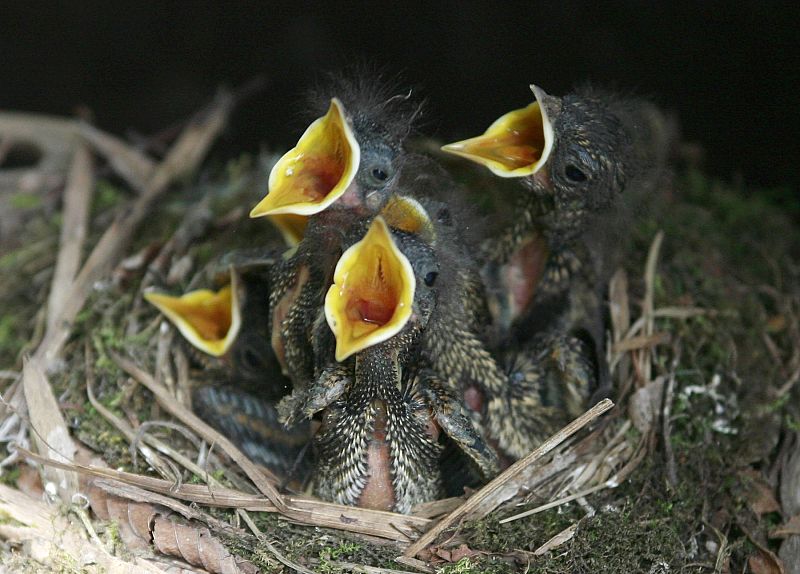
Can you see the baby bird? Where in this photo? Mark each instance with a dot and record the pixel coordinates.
(251, 422)
(342, 170)
(227, 328)
(382, 411)
(586, 161)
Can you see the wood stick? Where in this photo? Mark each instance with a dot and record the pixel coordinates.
(180, 412)
(511, 472)
(310, 511)
(77, 199)
(184, 156)
(128, 162)
(50, 430)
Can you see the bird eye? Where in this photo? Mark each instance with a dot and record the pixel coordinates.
(251, 360)
(574, 174)
(378, 173)
(443, 216)
(430, 278)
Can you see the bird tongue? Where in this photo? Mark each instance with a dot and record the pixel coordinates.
(514, 148)
(376, 311)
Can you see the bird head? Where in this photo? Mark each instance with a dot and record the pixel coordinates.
(209, 320)
(229, 327)
(517, 144)
(575, 153)
(383, 288)
(346, 159)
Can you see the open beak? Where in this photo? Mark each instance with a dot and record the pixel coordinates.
(515, 145)
(372, 292)
(408, 214)
(317, 171)
(210, 320)
(291, 226)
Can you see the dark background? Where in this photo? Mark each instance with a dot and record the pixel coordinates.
(728, 69)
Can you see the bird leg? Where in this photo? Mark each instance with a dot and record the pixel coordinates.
(454, 419)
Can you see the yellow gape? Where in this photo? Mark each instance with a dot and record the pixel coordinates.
(291, 226)
(209, 320)
(515, 145)
(372, 293)
(317, 171)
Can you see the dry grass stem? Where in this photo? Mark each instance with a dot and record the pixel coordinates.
(559, 502)
(557, 540)
(77, 200)
(129, 163)
(482, 502)
(50, 431)
(306, 510)
(170, 404)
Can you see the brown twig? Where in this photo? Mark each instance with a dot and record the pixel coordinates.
(129, 163)
(485, 493)
(307, 510)
(184, 157)
(77, 199)
(644, 359)
(204, 430)
(123, 427)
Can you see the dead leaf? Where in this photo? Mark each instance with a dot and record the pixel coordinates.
(30, 481)
(765, 562)
(456, 554)
(197, 546)
(557, 540)
(758, 493)
(789, 528)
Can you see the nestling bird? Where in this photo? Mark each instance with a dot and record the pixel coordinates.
(251, 422)
(227, 329)
(382, 410)
(586, 162)
(342, 170)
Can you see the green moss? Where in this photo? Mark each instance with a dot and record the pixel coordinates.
(479, 565)
(525, 534)
(342, 551)
(10, 476)
(25, 201)
(106, 196)
(8, 520)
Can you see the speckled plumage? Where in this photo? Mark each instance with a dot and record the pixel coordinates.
(385, 403)
(380, 121)
(556, 254)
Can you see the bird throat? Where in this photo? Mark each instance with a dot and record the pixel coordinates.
(378, 492)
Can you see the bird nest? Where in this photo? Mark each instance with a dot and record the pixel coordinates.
(107, 468)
